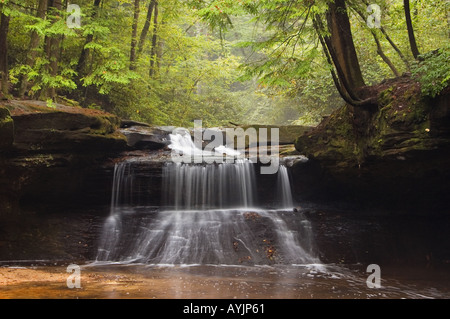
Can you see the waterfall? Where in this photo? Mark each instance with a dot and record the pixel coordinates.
(209, 215)
(121, 194)
(284, 188)
(187, 186)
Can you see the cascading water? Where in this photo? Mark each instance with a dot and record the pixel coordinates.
(187, 187)
(208, 216)
(284, 191)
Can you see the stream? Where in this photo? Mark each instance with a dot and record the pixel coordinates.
(213, 236)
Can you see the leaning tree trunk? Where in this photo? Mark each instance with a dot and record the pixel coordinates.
(388, 38)
(379, 47)
(4, 27)
(412, 38)
(342, 49)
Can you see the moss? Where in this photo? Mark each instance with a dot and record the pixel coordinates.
(385, 97)
(333, 141)
(104, 125)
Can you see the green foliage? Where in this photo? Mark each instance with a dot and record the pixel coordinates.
(433, 72)
(242, 61)
(50, 104)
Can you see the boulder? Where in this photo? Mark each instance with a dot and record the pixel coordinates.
(146, 137)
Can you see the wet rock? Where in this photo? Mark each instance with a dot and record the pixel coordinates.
(129, 123)
(141, 137)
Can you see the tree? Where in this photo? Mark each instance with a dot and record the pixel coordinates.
(154, 50)
(387, 37)
(89, 38)
(411, 36)
(134, 35)
(146, 26)
(292, 58)
(341, 47)
(35, 39)
(380, 50)
(4, 27)
(52, 47)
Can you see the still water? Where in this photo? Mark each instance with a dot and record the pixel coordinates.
(314, 281)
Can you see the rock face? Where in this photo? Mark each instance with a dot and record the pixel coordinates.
(63, 128)
(6, 129)
(59, 154)
(396, 154)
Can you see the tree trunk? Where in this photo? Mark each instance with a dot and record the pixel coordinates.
(384, 56)
(4, 27)
(53, 50)
(153, 53)
(379, 48)
(35, 39)
(395, 47)
(412, 38)
(387, 37)
(325, 42)
(342, 49)
(134, 35)
(85, 52)
(146, 27)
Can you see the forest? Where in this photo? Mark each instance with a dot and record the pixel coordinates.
(99, 98)
(169, 62)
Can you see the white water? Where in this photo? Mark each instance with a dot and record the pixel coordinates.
(182, 143)
(187, 186)
(284, 188)
(209, 215)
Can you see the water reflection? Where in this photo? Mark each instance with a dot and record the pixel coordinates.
(229, 282)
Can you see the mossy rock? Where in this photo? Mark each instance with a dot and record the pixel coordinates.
(404, 123)
(62, 128)
(333, 141)
(38, 115)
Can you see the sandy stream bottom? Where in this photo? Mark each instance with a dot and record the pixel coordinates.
(218, 282)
